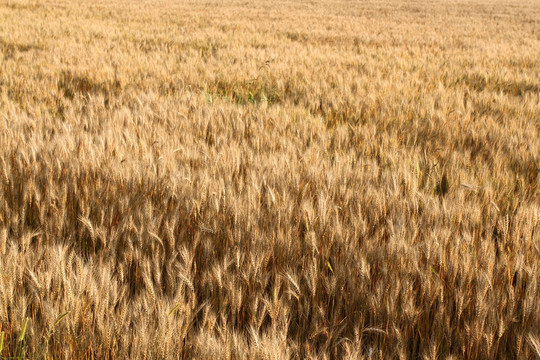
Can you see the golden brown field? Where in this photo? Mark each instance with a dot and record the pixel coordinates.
(239, 179)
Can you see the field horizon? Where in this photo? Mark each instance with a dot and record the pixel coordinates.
(318, 179)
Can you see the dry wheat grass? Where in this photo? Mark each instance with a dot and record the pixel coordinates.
(269, 180)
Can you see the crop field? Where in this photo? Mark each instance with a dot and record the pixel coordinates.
(311, 179)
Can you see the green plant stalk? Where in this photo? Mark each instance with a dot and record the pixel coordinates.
(21, 336)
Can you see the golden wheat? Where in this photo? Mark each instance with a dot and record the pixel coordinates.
(269, 180)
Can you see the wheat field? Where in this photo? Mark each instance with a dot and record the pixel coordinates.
(310, 179)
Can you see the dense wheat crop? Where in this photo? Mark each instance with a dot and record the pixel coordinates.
(264, 179)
